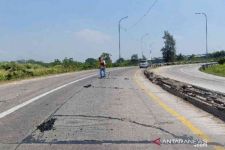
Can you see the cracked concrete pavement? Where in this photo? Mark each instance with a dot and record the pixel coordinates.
(110, 113)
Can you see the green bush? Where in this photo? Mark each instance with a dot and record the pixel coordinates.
(3, 75)
(31, 68)
(221, 61)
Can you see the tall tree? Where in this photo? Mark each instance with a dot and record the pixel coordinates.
(120, 60)
(191, 57)
(56, 62)
(134, 59)
(169, 49)
(180, 57)
(91, 61)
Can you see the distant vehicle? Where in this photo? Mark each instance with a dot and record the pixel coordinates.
(143, 64)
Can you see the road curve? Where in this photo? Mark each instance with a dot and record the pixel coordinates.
(123, 111)
(190, 74)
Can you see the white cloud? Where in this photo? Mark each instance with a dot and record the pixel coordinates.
(92, 36)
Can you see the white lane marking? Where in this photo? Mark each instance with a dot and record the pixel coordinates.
(15, 108)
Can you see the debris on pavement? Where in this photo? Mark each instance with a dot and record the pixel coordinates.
(87, 86)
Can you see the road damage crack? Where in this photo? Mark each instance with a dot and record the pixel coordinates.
(31, 139)
(120, 119)
(29, 136)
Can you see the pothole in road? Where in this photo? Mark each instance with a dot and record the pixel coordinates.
(47, 125)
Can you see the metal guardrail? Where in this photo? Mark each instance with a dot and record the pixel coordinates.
(204, 66)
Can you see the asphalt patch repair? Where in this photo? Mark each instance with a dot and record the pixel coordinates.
(47, 125)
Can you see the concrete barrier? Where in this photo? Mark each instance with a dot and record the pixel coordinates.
(208, 100)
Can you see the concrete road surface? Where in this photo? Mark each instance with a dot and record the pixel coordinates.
(122, 111)
(191, 74)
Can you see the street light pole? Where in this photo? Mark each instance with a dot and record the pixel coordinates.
(143, 36)
(119, 33)
(150, 52)
(206, 29)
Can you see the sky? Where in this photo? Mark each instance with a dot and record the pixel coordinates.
(54, 29)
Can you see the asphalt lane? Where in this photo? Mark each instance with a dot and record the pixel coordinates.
(191, 74)
(122, 111)
(18, 92)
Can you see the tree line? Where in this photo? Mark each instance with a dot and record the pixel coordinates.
(169, 52)
(31, 68)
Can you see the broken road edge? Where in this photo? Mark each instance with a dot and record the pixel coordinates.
(210, 101)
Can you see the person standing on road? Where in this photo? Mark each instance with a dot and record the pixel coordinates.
(102, 67)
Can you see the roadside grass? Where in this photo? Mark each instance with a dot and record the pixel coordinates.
(218, 70)
(24, 69)
(16, 71)
(3, 75)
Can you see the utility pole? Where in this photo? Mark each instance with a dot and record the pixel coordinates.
(206, 30)
(150, 52)
(119, 33)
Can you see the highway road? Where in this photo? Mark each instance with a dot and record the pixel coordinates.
(123, 111)
(191, 74)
